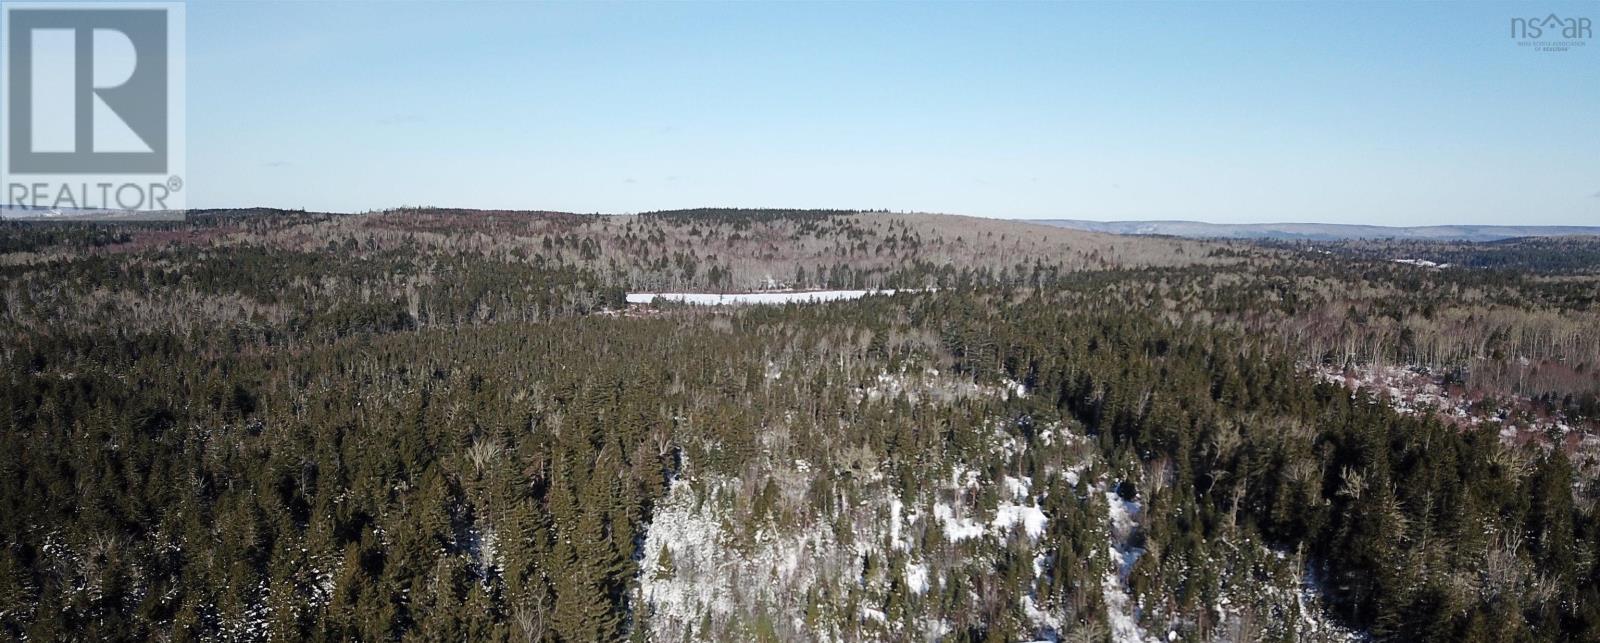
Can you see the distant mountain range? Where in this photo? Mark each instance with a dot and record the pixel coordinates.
(1320, 231)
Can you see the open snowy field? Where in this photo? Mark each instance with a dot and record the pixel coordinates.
(716, 299)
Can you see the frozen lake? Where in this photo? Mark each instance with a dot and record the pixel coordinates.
(716, 299)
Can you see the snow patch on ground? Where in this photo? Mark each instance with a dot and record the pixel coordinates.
(1120, 606)
(1422, 263)
(930, 385)
(1019, 509)
(712, 574)
(1315, 624)
(722, 574)
(1415, 391)
(1020, 488)
(917, 578)
(1121, 613)
(1030, 517)
(956, 529)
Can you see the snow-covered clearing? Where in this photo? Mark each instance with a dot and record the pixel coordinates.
(719, 299)
(1422, 263)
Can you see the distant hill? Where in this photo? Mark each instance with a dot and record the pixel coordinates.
(77, 215)
(1320, 231)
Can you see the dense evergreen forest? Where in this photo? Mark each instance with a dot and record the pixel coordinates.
(428, 424)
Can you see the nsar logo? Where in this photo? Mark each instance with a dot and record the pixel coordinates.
(1551, 33)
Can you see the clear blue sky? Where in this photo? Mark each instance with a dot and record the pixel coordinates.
(1388, 113)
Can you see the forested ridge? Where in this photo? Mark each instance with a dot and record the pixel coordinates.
(427, 424)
